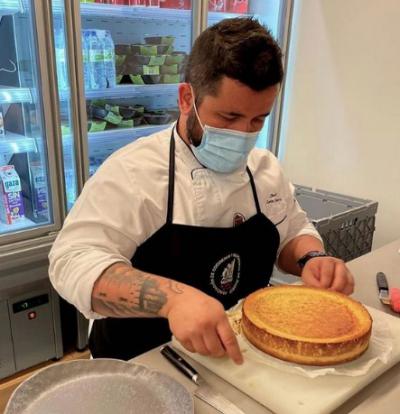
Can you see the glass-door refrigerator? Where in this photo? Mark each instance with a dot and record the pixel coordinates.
(30, 206)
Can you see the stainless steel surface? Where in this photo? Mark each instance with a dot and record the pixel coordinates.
(285, 26)
(78, 99)
(31, 326)
(100, 386)
(216, 400)
(25, 252)
(197, 20)
(47, 71)
(47, 43)
(203, 7)
(384, 297)
(383, 288)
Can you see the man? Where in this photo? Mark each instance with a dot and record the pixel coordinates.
(177, 227)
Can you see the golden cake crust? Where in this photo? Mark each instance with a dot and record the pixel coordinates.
(306, 325)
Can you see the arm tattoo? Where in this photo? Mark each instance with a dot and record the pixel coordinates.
(136, 294)
(175, 286)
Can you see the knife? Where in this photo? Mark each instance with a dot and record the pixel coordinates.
(203, 390)
(383, 287)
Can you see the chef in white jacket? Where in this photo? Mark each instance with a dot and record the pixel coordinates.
(178, 226)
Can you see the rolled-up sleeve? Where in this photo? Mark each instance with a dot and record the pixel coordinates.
(104, 226)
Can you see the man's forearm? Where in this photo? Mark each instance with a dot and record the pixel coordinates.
(294, 250)
(125, 292)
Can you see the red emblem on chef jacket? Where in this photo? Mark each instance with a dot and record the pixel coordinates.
(238, 219)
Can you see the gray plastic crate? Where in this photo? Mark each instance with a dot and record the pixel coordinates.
(345, 223)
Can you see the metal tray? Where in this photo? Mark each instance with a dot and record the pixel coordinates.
(100, 386)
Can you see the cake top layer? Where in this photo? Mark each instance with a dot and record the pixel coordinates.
(307, 314)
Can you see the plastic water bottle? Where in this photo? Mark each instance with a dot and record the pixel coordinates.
(96, 61)
(61, 64)
(109, 59)
(86, 58)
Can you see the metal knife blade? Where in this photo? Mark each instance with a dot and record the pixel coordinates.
(216, 400)
(203, 390)
(383, 287)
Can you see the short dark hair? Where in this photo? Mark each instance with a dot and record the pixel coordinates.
(239, 48)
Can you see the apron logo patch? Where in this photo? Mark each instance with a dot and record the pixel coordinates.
(238, 219)
(226, 274)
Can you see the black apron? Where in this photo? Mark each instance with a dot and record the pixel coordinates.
(225, 263)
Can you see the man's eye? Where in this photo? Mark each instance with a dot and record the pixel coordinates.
(229, 117)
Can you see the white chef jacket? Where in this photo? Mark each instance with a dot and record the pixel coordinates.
(125, 202)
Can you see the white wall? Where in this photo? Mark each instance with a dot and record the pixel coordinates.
(341, 116)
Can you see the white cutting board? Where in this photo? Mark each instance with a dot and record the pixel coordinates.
(288, 393)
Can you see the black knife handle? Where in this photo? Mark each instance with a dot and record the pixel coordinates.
(382, 281)
(179, 362)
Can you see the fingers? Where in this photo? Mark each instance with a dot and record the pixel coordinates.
(343, 281)
(328, 273)
(229, 341)
(213, 344)
(339, 281)
(199, 345)
(309, 277)
(188, 345)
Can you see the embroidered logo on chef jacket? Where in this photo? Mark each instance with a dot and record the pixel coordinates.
(226, 274)
(276, 208)
(238, 218)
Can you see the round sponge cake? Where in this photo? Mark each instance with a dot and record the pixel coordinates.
(306, 325)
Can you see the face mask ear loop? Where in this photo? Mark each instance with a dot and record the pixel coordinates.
(195, 108)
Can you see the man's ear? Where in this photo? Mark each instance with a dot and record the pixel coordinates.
(185, 98)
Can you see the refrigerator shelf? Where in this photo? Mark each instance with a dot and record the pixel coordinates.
(112, 135)
(16, 95)
(128, 91)
(9, 7)
(22, 224)
(111, 10)
(15, 144)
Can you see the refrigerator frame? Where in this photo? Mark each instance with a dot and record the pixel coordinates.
(27, 240)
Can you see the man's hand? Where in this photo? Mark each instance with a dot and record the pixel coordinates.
(329, 273)
(200, 324)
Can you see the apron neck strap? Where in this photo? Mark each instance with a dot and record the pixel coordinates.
(253, 187)
(171, 178)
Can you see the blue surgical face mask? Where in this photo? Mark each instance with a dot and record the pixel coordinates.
(223, 150)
